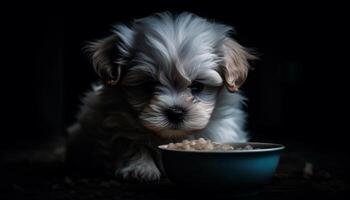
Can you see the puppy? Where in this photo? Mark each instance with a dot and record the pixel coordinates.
(166, 78)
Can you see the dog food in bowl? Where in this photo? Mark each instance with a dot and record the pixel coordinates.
(204, 145)
(243, 171)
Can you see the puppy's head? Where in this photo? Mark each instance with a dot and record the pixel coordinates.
(171, 69)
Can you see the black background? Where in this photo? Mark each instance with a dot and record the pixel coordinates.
(296, 90)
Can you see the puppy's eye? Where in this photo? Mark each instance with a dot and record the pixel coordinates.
(196, 87)
(149, 86)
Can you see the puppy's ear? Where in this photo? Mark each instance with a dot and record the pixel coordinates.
(103, 54)
(236, 65)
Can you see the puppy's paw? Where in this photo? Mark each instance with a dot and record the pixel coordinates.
(139, 171)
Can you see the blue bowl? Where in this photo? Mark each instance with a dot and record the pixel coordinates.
(245, 171)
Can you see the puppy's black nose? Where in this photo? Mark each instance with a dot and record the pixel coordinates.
(175, 114)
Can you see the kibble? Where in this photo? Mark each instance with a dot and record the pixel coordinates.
(204, 145)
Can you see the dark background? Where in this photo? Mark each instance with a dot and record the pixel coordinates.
(296, 90)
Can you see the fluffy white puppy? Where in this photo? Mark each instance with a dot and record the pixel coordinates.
(166, 77)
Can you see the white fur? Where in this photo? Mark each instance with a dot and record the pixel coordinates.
(227, 120)
(120, 124)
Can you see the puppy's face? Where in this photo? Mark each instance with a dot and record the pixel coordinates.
(171, 69)
(169, 104)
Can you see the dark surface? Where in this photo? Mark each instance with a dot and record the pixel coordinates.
(50, 181)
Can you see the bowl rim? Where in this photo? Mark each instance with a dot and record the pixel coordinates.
(276, 147)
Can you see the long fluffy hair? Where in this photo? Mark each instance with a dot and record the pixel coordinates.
(148, 66)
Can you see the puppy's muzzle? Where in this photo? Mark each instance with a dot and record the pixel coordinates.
(175, 114)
